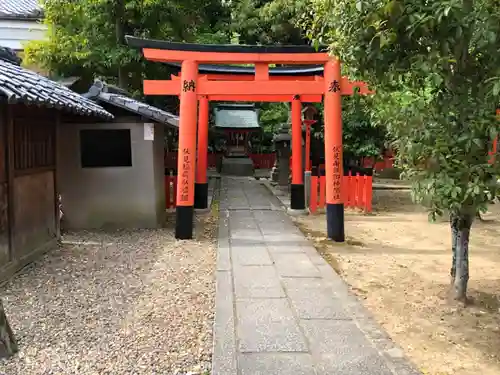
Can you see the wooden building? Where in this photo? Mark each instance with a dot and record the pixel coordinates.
(31, 108)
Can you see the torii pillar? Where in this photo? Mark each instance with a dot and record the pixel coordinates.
(333, 151)
(297, 197)
(187, 151)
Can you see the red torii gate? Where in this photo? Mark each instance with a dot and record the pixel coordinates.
(192, 87)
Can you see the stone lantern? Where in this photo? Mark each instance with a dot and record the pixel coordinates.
(282, 143)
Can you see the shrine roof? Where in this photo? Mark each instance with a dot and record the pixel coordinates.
(231, 48)
(236, 116)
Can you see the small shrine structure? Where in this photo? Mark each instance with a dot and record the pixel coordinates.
(237, 122)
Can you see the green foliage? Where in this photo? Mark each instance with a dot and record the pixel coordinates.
(436, 68)
(361, 137)
(272, 115)
(267, 21)
(86, 37)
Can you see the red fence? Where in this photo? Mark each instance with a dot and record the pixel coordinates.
(388, 162)
(260, 161)
(212, 159)
(357, 191)
(170, 159)
(263, 161)
(170, 191)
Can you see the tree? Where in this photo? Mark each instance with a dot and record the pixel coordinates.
(267, 21)
(362, 138)
(86, 37)
(436, 67)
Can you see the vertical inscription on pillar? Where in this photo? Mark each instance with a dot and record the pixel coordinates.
(337, 174)
(186, 166)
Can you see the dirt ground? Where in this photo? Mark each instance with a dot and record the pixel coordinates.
(398, 264)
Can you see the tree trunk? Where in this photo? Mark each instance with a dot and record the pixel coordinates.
(460, 229)
(454, 238)
(8, 345)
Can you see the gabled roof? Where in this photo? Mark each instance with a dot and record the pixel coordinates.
(21, 9)
(19, 85)
(236, 116)
(101, 92)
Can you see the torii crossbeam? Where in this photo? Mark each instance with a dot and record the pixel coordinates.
(256, 83)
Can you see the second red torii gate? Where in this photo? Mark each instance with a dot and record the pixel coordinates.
(191, 87)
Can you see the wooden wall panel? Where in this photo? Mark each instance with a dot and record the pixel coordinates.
(4, 189)
(3, 137)
(34, 213)
(4, 225)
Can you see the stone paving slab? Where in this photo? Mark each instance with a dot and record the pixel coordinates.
(316, 304)
(251, 256)
(280, 308)
(295, 265)
(268, 325)
(257, 282)
(276, 364)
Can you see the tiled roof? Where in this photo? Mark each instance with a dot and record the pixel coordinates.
(20, 85)
(30, 9)
(236, 116)
(100, 92)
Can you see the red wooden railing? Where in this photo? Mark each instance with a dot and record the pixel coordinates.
(171, 159)
(170, 191)
(358, 191)
(263, 161)
(212, 160)
(260, 161)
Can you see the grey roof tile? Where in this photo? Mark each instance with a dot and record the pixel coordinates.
(99, 92)
(30, 9)
(20, 85)
(140, 108)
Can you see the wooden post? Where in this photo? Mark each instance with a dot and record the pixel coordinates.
(201, 185)
(333, 151)
(297, 199)
(8, 345)
(187, 151)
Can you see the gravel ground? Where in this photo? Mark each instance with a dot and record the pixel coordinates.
(129, 302)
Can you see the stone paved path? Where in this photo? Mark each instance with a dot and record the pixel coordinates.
(280, 308)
